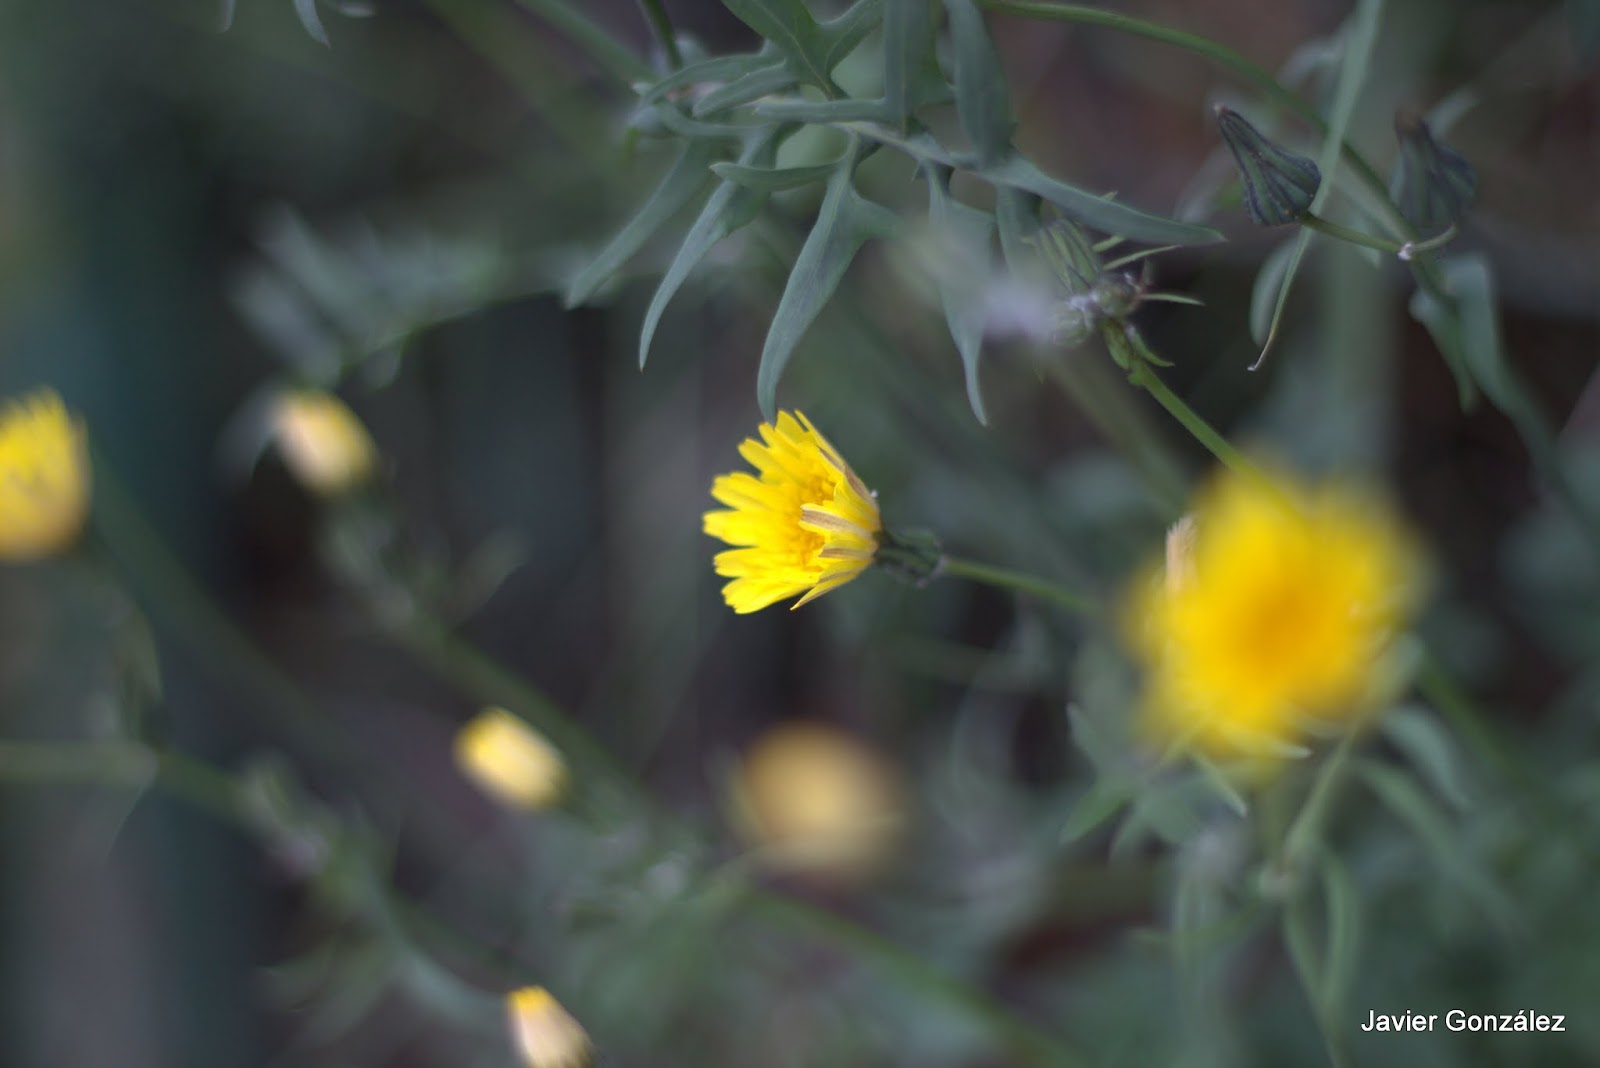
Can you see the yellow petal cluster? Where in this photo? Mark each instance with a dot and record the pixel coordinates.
(44, 478)
(803, 524)
(814, 799)
(321, 441)
(545, 1034)
(1276, 611)
(510, 761)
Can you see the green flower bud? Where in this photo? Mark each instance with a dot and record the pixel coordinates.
(1278, 185)
(1433, 185)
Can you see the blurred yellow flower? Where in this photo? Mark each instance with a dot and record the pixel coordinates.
(322, 442)
(510, 761)
(545, 1034)
(815, 799)
(44, 477)
(1275, 614)
(806, 526)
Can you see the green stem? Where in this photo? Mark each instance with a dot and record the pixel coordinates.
(1021, 582)
(656, 15)
(1143, 375)
(1354, 237)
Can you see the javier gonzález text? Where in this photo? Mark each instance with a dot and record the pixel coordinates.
(1456, 1020)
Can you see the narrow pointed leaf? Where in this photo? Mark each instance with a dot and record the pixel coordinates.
(982, 99)
(794, 109)
(729, 208)
(727, 69)
(688, 176)
(911, 74)
(844, 223)
(1343, 950)
(1430, 749)
(968, 233)
(841, 35)
(744, 90)
(1100, 213)
(791, 29)
(1400, 795)
(772, 179)
(306, 11)
(1361, 31)
(1103, 800)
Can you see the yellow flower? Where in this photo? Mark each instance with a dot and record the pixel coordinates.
(510, 761)
(44, 478)
(545, 1034)
(807, 525)
(815, 799)
(1276, 612)
(322, 442)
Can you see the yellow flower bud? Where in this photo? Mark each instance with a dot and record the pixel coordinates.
(322, 442)
(44, 478)
(544, 1033)
(510, 761)
(815, 799)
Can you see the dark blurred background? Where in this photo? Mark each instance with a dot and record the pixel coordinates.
(187, 215)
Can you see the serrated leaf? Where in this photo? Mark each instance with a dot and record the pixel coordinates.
(750, 87)
(844, 223)
(1400, 795)
(968, 232)
(687, 177)
(792, 30)
(1431, 750)
(772, 179)
(1099, 803)
(842, 34)
(730, 207)
(911, 75)
(982, 99)
(1098, 212)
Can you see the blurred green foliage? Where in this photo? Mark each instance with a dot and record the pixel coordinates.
(410, 207)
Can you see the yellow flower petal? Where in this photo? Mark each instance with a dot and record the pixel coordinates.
(544, 1033)
(815, 799)
(510, 761)
(322, 442)
(805, 526)
(1278, 605)
(44, 478)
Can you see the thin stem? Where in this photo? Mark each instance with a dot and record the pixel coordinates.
(1144, 376)
(1354, 237)
(656, 15)
(1021, 582)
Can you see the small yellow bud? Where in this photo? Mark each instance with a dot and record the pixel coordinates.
(44, 478)
(815, 799)
(510, 761)
(544, 1033)
(322, 442)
